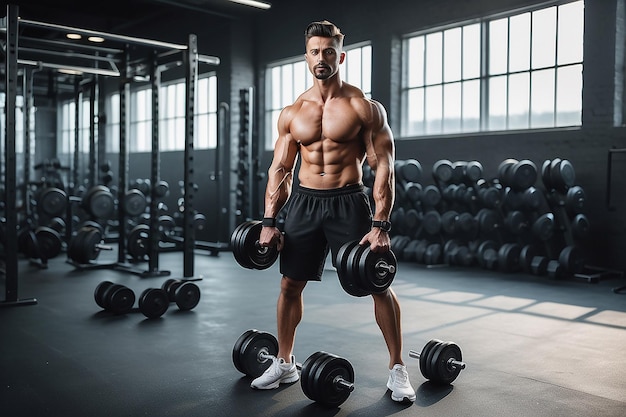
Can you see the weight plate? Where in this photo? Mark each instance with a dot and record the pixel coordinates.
(100, 291)
(490, 197)
(572, 259)
(508, 257)
(344, 272)
(565, 174)
(555, 181)
(308, 367)
(432, 222)
(515, 221)
(482, 248)
(91, 238)
(424, 368)
(580, 226)
(532, 198)
(259, 257)
(448, 221)
(503, 170)
(352, 270)
(442, 170)
(166, 287)
(237, 349)
(411, 170)
(106, 295)
(49, 242)
(575, 200)
(102, 204)
(376, 270)
(430, 196)
(137, 242)
(473, 171)
(539, 265)
(432, 256)
(543, 227)
(250, 361)
(442, 373)
(413, 191)
(120, 299)
(408, 253)
(522, 174)
(153, 302)
(490, 259)
(411, 220)
(545, 174)
(187, 296)
(238, 247)
(526, 256)
(53, 201)
(326, 390)
(487, 220)
(429, 359)
(135, 202)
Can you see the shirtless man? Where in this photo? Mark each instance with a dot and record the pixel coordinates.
(333, 127)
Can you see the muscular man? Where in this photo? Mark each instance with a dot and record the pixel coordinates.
(333, 127)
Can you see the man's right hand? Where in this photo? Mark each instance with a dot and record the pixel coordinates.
(271, 236)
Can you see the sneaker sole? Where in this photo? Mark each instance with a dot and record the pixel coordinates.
(277, 383)
(403, 399)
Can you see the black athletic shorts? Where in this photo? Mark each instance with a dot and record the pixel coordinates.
(319, 220)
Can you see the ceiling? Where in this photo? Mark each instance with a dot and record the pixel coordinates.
(42, 34)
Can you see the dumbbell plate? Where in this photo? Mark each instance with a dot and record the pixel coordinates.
(424, 367)
(372, 279)
(308, 368)
(346, 277)
(322, 380)
(237, 349)
(249, 351)
(119, 299)
(187, 296)
(441, 373)
(100, 291)
(153, 302)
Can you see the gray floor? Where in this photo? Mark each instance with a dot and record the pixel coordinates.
(532, 346)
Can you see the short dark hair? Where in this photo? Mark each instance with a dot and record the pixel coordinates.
(324, 29)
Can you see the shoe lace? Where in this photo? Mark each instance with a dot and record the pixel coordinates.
(400, 375)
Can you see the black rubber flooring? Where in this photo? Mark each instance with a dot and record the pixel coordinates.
(533, 347)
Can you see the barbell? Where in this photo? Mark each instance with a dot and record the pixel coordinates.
(325, 378)
(361, 272)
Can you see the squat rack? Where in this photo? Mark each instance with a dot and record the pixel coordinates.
(190, 59)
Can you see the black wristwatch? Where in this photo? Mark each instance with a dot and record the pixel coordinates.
(382, 224)
(268, 222)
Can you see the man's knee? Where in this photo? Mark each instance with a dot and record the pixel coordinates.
(291, 288)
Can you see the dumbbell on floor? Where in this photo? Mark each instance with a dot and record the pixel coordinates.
(325, 378)
(153, 302)
(440, 362)
(184, 293)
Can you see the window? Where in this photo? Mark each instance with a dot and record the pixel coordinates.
(522, 71)
(171, 115)
(285, 81)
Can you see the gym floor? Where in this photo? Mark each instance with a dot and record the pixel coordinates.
(532, 346)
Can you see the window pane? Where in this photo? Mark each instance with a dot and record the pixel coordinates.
(471, 105)
(542, 98)
(286, 85)
(519, 58)
(497, 103)
(570, 37)
(452, 108)
(415, 117)
(366, 70)
(202, 92)
(299, 77)
(498, 51)
(568, 95)
(353, 62)
(212, 97)
(519, 105)
(415, 62)
(433, 58)
(433, 109)
(544, 37)
(471, 51)
(452, 55)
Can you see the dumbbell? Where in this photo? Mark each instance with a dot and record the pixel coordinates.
(184, 293)
(119, 299)
(440, 362)
(325, 378)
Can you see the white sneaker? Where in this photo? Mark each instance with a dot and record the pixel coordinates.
(398, 383)
(279, 372)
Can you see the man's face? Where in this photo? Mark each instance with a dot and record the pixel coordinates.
(323, 56)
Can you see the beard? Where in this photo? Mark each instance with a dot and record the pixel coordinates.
(325, 74)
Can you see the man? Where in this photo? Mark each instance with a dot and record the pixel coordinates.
(332, 127)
